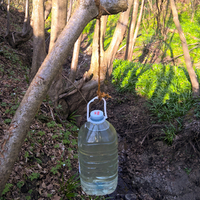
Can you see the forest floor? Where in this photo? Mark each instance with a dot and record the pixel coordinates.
(148, 168)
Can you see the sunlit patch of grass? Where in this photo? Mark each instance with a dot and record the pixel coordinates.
(167, 88)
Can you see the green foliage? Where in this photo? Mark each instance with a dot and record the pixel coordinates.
(7, 121)
(89, 30)
(187, 170)
(10, 54)
(7, 188)
(34, 176)
(74, 142)
(169, 134)
(41, 133)
(110, 28)
(38, 160)
(48, 23)
(28, 197)
(197, 109)
(72, 117)
(167, 88)
(51, 124)
(69, 187)
(56, 146)
(26, 155)
(171, 44)
(20, 184)
(49, 195)
(4, 104)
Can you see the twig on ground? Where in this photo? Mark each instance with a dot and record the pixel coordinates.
(51, 111)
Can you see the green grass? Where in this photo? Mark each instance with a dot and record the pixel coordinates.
(166, 88)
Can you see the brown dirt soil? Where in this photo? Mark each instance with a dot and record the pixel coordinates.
(149, 169)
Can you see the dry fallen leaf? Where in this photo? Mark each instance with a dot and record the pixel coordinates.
(56, 197)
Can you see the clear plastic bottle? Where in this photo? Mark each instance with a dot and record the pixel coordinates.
(98, 155)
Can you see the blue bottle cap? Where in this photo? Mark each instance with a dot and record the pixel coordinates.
(97, 117)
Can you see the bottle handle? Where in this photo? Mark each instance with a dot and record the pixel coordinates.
(88, 108)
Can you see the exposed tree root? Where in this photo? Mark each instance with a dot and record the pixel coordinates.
(148, 132)
(16, 38)
(190, 137)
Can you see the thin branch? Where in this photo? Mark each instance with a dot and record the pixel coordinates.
(77, 89)
(172, 59)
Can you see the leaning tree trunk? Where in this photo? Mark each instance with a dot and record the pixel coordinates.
(191, 72)
(11, 144)
(118, 36)
(39, 52)
(130, 41)
(133, 37)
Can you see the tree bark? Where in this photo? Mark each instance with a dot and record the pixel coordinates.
(75, 56)
(26, 18)
(133, 37)
(69, 12)
(8, 18)
(191, 72)
(58, 20)
(11, 144)
(48, 6)
(130, 41)
(39, 51)
(118, 36)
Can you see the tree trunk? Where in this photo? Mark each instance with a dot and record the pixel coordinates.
(133, 37)
(118, 36)
(48, 6)
(11, 144)
(191, 72)
(58, 20)
(26, 18)
(8, 18)
(69, 12)
(39, 52)
(75, 56)
(130, 41)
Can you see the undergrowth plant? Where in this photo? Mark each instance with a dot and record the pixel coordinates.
(70, 187)
(166, 88)
(110, 28)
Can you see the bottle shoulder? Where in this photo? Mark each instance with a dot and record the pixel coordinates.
(97, 133)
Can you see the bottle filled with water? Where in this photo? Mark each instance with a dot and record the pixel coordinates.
(98, 154)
